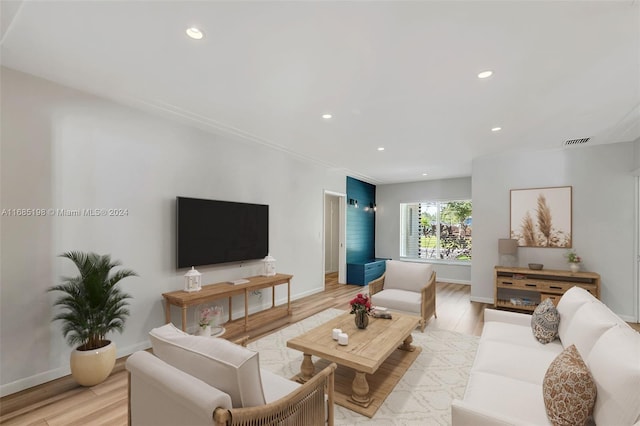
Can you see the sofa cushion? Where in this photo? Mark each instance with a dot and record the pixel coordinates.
(518, 334)
(569, 303)
(231, 368)
(399, 300)
(519, 401)
(614, 362)
(569, 389)
(409, 276)
(510, 359)
(544, 322)
(589, 322)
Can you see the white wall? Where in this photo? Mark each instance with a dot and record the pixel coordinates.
(388, 200)
(65, 149)
(603, 214)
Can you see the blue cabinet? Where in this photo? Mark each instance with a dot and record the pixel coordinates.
(363, 272)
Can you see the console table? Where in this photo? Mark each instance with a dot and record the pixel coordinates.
(362, 273)
(208, 293)
(523, 289)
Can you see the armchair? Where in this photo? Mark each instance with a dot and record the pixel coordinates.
(194, 380)
(406, 287)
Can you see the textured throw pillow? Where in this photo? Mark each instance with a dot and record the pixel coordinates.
(545, 321)
(568, 389)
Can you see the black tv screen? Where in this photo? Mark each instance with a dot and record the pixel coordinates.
(211, 231)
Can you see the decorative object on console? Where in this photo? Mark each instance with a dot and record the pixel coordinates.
(569, 389)
(360, 306)
(541, 217)
(269, 266)
(508, 251)
(536, 266)
(209, 319)
(545, 321)
(574, 260)
(192, 280)
(94, 306)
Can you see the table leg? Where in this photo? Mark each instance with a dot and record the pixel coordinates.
(184, 318)
(406, 344)
(230, 307)
(360, 389)
(307, 369)
(246, 310)
(289, 297)
(167, 312)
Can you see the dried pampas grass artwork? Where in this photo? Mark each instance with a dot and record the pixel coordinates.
(541, 217)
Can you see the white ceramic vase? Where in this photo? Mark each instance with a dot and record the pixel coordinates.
(204, 331)
(575, 267)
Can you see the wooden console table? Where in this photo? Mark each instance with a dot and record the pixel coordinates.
(528, 287)
(208, 293)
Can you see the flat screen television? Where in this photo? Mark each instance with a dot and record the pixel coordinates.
(211, 231)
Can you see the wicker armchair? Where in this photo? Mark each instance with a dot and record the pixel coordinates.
(162, 395)
(406, 287)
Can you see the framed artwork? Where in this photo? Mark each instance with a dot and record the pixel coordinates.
(541, 217)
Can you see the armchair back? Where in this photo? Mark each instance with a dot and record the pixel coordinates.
(407, 276)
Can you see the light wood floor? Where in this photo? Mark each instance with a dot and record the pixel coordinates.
(62, 402)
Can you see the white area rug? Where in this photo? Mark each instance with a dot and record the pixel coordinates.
(422, 397)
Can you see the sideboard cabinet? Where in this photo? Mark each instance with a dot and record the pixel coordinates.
(523, 289)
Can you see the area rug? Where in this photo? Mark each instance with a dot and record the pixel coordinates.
(422, 397)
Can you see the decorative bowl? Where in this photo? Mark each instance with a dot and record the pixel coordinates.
(536, 266)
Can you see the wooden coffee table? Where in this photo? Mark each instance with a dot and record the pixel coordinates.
(383, 340)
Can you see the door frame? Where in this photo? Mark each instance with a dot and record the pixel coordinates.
(342, 233)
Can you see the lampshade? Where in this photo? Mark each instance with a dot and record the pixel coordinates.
(507, 246)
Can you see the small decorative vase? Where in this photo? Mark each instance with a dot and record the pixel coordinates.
(204, 331)
(575, 267)
(362, 320)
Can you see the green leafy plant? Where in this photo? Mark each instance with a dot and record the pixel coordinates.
(94, 304)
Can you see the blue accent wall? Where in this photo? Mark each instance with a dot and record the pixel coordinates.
(361, 222)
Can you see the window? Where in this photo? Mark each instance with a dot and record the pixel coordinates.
(436, 230)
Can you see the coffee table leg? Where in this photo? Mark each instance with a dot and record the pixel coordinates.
(307, 369)
(360, 389)
(406, 345)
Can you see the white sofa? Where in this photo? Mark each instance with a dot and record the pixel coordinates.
(194, 380)
(506, 380)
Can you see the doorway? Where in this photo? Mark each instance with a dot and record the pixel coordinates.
(334, 249)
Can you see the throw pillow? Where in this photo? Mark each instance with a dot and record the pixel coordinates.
(545, 321)
(569, 390)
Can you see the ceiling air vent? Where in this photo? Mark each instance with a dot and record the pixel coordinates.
(572, 142)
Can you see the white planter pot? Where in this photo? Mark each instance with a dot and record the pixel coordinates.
(90, 368)
(575, 267)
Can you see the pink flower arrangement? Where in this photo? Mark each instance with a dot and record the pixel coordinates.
(572, 257)
(360, 303)
(208, 314)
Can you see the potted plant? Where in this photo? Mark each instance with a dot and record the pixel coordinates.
(94, 306)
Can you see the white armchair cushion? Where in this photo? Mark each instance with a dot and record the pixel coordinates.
(614, 362)
(231, 368)
(408, 276)
(399, 300)
(276, 387)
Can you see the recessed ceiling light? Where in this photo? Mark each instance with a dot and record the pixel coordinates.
(194, 33)
(496, 129)
(381, 148)
(327, 116)
(424, 174)
(485, 74)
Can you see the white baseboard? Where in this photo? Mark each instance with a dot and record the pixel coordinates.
(488, 300)
(452, 281)
(56, 373)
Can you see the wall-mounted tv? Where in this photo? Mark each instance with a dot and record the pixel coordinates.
(212, 231)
